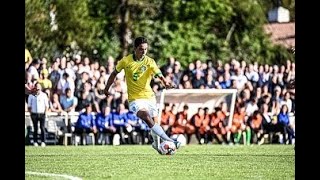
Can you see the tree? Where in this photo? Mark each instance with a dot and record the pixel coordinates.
(186, 29)
(38, 35)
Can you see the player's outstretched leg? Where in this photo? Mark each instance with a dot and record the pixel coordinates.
(155, 141)
(156, 128)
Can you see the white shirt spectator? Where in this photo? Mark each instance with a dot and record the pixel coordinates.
(64, 84)
(33, 72)
(241, 80)
(252, 76)
(71, 73)
(288, 102)
(38, 103)
(265, 77)
(250, 108)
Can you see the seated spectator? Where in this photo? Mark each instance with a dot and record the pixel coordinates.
(179, 126)
(55, 104)
(54, 75)
(65, 82)
(218, 125)
(83, 102)
(33, 69)
(104, 124)
(201, 121)
(118, 119)
(167, 118)
(29, 84)
(87, 96)
(238, 123)
(255, 123)
(268, 124)
(284, 125)
(136, 127)
(99, 92)
(44, 81)
(86, 124)
(198, 80)
(68, 101)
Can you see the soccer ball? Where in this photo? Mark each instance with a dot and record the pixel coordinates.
(167, 148)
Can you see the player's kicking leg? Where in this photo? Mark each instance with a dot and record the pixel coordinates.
(155, 141)
(155, 128)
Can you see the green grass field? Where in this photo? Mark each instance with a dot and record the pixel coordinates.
(142, 162)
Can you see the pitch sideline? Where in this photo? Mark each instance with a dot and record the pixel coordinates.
(53, 175)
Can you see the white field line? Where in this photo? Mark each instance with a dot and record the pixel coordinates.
(53, 175)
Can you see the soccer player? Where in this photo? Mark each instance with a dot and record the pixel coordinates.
(139, 70)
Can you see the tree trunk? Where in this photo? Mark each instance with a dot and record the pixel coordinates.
(124, 32)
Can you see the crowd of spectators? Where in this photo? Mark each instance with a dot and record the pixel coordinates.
(263, 107)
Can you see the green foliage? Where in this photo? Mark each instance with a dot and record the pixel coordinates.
(186, 29)
(38, 35)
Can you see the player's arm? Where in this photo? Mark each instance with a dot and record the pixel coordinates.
(158, 74)
(165, 83)
(110, 81)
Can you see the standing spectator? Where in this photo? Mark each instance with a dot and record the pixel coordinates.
(38, 105)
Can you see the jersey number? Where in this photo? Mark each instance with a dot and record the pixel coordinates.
(135, 76)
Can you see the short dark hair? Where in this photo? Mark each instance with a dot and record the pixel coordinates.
(140, 40)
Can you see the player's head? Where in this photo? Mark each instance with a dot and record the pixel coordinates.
(140, 47)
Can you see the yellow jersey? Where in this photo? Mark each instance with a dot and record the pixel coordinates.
(138, 76)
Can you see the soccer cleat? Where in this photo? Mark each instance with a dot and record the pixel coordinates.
(154, 146)
(177, 143)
